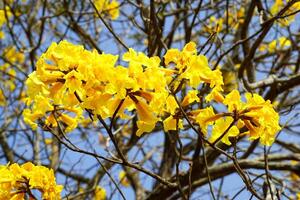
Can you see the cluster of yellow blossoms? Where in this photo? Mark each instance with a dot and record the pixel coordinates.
(281, 43)
(11, 57)
(255, 115)
(110, 8)
(235, 18)
(69, 79)
(16, 182)
(4, 15)
(290, 13)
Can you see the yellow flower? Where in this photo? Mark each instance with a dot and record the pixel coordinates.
(42, 104)
(279, 5)
(13, 56)
(181, 59)
(197, 70)
(98, 103)
(235, 17)
(16, 177)
(219, 128)
(113, 9)
(35, 86)
(205, 118)
(147, 119)
(171, 124)
(158, 102)
(100, 193)
(70, 122)
(2, 15)
(172, 55)
(280, 43)
(145, 127)
(215, 25)
(276, 6)
(257, 115)
(107, 6)
(30, 118)
(171, 104)
(48, 141)
(190, 98)
(6, 175)
(73, 81)
(216, 95)
(190, 48)
(233, 100)
(294, 176)
(264, 123)
(2, 98)
(123, 179)
(2, 35)
(284, 42)
(70, 79)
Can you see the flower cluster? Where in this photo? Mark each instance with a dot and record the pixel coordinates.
(17, 181)
(235, 18)
(11, 57)
(256, 116)
(69, 79)
(279, 5)
(4, 15)
(281, 43)
(110, 8)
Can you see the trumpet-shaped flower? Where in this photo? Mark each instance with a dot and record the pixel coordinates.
(171, 124)
(192, 96)
(219, 128)
(233, 100)
(147, 119)
(205, 118)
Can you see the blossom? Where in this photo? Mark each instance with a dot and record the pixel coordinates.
(216, 95)
(108, 7)
(147, 119)
(2, 98)
(220, 127)
(205, 118)
(190, 98)
(170, 123)
(19, 177)
(279, 44)
(279, 5)
(123, 179)
(4, 14)
(35, 86)
(233, 100)
(258, 116)
(215, 25)
(70, 79)
(264, 120)
(100, 193)
(73, 80)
